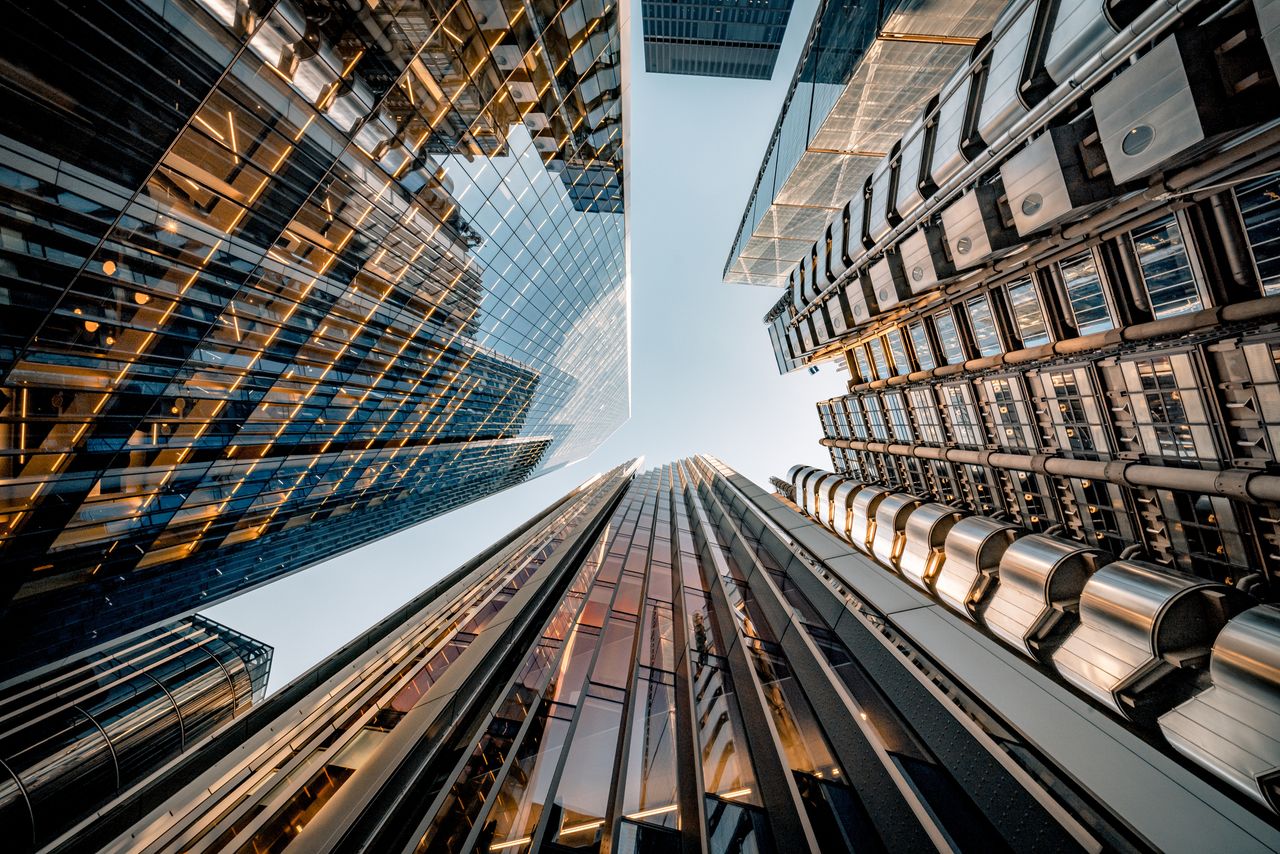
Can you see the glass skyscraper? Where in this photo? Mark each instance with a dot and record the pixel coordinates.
(87, 728)
(677, 661)
(716, 38)
(278, 278)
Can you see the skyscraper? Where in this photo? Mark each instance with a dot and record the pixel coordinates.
(280, 278)
(858, 85)
(714, 38)
(85, 729)
(1032, 331)
(680, 661)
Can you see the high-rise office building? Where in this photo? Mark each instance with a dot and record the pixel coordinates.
(280, 278)
(861, 75)
(714, 38)
(1058, 304)
(679, 661)
(85, 729)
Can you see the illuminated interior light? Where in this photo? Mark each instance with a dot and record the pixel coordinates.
(579, 828)
(91, 325)
(109, 267)
(652, 812)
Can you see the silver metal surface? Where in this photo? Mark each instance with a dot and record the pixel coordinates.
(1048, 180)
(924, 260)
(889, 536)
(1138, 624)
(861, 297)
(1080, 30)
(1041, 578)
(842, 506)
(974, 549)
(1233, 728)
(1269, 22)
(912, 167)
(1002, 103)
(888, 280)
(973, 227)
(880, 195)
(1148, 113)
(924, 554)
(947, 157)
(862, 525)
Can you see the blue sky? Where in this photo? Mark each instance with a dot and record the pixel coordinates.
(703, 376)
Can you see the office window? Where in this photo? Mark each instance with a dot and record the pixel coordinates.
(857, 423)
(1084, 292)
(864, 364)
(1034, 495)
(948, 338)
(1168, 408)
(841, 419)
(966, 427)
(920, 343)
(979, 487)
(895, 405)
(828, 419)
(1014, 429)
(875, 416)
(1076, 411)
(878, 358)
(1028, 316)
(1103, 515)
(1166, 268)
(983, 322)
(928, 417)
(1204, 533)
(898, 350)
(1260, 206)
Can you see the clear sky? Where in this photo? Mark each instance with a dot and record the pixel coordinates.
(703, 374)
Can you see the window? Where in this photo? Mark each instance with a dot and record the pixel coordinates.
(1260, 206)
(981, 492)
(898, 350)
(895, 405)
(875, 417)
(841, 420)
(948, 338)
(957, 399)
(1037, 509)
(878, 357)
(928, 417)
(920, 343)
(1166, 268)
(1077, 418)
(1014, 430)
(857, 423)
(1028, 317)
(945, 485)
(983, 323)
(864, 364)
(1084, 292)
(1168, 408)
(1103, 515)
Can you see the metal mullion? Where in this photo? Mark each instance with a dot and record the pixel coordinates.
(837, 711)
(509, 760)
(782, 803)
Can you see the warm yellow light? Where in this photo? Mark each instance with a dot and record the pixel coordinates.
(652, 812)
(140, 298)
(91, 325)
(109, 267)
(578, 828)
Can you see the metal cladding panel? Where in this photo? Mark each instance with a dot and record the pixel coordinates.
(974, 549)
(923, 555)
(1080, 30)
(1002, 103)
(973, 227)
(892, 517)
(947, 157)
(793, 282)
(856, 243)
(806, 336)
(924, 260)
(836, 258)
(880, 196)
(861, 299)
(888, 280)
(837, 311)
(822, 323)
(1233, 728)
(826, 262)
(1148, 113)
(797, 349)
(809, 267)
(914, 183)
(1047, 180)
(1269, 22)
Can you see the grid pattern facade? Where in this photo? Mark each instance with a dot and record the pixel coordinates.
(279, 278)
(660, 662)
(736, 38)
(88, 728)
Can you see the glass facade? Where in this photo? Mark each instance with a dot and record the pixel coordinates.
(281, 278)
(658, 662)
(88, 728)
(721, 38)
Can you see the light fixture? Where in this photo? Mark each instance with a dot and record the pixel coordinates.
(140, 298)
(109, 267)
(91, 325)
